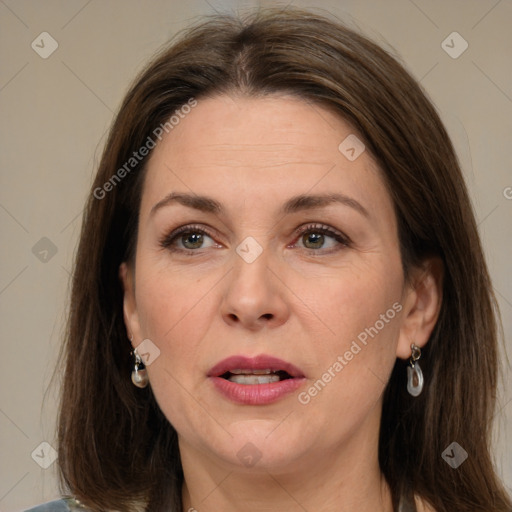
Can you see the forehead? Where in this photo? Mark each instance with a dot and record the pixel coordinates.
(276, 129)
(243, 148)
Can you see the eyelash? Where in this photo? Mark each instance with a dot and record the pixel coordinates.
(167, 241)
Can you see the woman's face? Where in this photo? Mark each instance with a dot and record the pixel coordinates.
(287, 258)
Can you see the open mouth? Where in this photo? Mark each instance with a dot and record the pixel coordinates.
(248, 377)
(257, 380)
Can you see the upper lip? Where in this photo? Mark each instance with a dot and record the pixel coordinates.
(260, 362)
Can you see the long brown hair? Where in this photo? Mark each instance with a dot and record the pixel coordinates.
(115, 446)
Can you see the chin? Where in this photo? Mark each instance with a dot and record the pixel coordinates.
(262, 445)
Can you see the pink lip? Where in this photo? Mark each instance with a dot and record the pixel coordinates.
(255, 394)
(261, 362)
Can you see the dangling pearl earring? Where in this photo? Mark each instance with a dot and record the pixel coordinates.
(414, 373)
(139, 373)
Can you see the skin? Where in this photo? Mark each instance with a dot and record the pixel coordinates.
(300, 301)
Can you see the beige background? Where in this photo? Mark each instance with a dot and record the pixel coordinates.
(55, 111)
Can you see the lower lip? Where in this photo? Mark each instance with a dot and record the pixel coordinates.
(256, 394)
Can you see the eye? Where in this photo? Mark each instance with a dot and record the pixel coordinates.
(188, 238)
(313, 237)
(318, 236)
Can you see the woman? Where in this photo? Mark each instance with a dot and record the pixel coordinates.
(280, 300)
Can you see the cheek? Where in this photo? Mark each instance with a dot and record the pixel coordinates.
(354, 299)
(361, 312)
(168, 296)
(174, 312)
(353, 366)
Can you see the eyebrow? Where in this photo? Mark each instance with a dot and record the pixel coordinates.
(294, 204)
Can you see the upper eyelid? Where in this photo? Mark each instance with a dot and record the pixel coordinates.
(303, 227)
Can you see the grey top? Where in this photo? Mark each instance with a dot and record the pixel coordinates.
(71, 505)
(63, 505)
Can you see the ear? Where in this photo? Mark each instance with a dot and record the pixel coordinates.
(130, 313)
(422, 303)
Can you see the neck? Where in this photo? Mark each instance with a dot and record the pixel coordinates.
(346, 478)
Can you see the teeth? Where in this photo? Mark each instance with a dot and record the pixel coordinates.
(251, 372)
(253, 378)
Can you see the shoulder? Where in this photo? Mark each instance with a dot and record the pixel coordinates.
(63, 505)
(52, 506)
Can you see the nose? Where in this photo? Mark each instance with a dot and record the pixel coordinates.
(255, 296)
